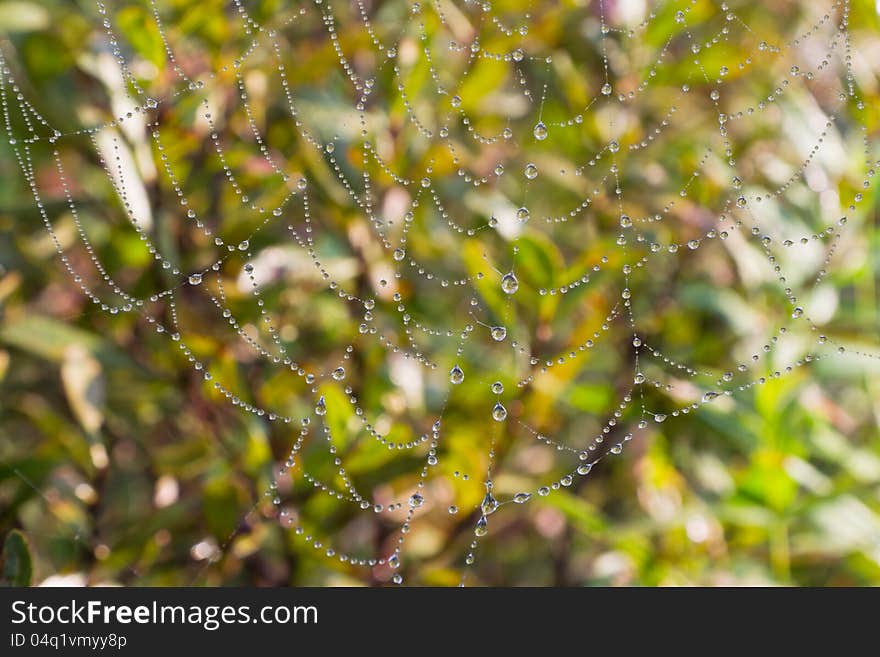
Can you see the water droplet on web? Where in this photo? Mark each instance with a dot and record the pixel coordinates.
(522, 214)
(195, 279)
(456, 375)
(498, 387)
(606, 89)
(522, 498)
(639, 378)
(625, 221)
(509, 283)
(455, 101)
(543, 491)
(499, 413)
(394, 561)
(244, 245)
(397, 579)
(679, 17)
(489, 504)
(399, 254)
(482, 526)
(540, 131)
(531, 171)
(797, 312)
(613, 146)
(339, 373)
(416, 500)
(453, 510)
(584, 468)
(498, 333)
(321, 406)
(659, 417)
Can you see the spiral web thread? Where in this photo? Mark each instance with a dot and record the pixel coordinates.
(474, 187)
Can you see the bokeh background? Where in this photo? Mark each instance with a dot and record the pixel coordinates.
(120, 465)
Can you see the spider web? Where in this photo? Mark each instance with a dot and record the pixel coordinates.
(439, 234)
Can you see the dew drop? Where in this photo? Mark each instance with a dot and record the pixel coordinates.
(338, 374)
(489, 504)
(482, 526)
(509, 283)
(321, 406)
(522, 498)
(456, 375)
(531, 171)
(399, 254)
(498, 333)
(499, 413)
(797, 312)
(416, 500)
(540, 131)
(195, 279)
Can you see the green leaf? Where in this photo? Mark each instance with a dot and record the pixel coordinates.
(16, 564)
(142, 34)
(222, 504)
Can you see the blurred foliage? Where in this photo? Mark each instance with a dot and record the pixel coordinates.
(16, 565)
(117, 461)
